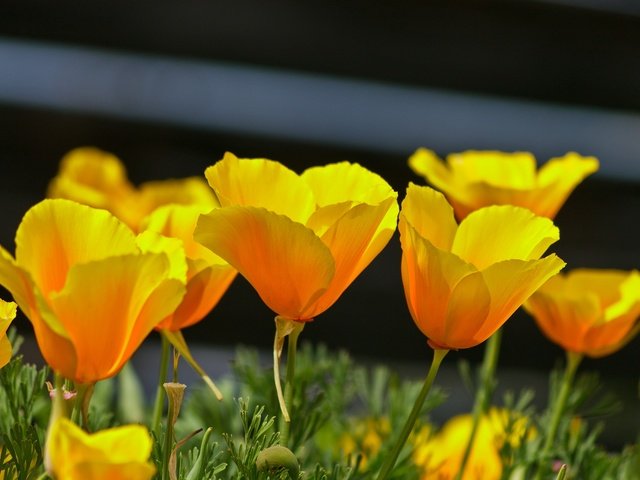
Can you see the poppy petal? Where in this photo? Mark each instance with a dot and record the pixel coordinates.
(511, 283)
(259, 182)
(284, 261)
(497, 233)
(429, 213)
(132, 281)
(58, 233)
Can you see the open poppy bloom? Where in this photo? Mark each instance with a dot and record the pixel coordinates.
(7, 314)
(590, 312)
(300, 240)
(475, 179)
(208, 276)
(120, 453)
(463, 282)
(97, 178)
(90, 290)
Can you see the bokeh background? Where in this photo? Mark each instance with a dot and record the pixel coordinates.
(169, 85)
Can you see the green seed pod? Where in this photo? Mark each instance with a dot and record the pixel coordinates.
(277, 457)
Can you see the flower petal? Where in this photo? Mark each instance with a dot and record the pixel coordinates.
(108, 323)
(497, 233)
(6, 350)
(286, 262)
(429, 213)
(259, 182)
(204, 291)
(558, 178)
(344, 181)
(8, 312)
(515, 170)
(55, 234)
(429, 276)
(511, 283)
(354, 241)
(182, 191)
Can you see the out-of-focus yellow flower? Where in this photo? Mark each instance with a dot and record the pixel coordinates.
(96, 178)
(120, 453)
(365, 437)
(591, 312)
(7, 314)
(475, 179)
(440, 456)
(208, 276)
(463, 282)
(90, 291)
(300, 240)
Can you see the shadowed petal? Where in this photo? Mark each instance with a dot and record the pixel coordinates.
(286, 262)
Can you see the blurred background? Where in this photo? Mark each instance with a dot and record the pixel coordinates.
(169, 86)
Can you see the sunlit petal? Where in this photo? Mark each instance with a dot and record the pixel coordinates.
(430, 215)
(499, 233)
(55, 234)
(259, 182)
(344, 182)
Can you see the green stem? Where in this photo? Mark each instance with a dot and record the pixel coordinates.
(483, 394)
(573, 360)
(288, 385)
(158, 405)
(84, 391)
(390, 461)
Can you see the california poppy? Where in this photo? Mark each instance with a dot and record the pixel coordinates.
(300, 240)
(113, 454)
(97, 178)
(463, 282)
(475, 179)
(588, 311)
(91, 292)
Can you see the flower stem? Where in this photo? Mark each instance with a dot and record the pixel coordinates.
(573, 360)
(390, 461)
(158, 405)
(483, 394)
(288, 385)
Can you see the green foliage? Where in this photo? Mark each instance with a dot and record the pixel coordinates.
(24, 409)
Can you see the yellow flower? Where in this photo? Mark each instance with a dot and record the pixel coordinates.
(120, 453)
(96, 178)
(476, 179)
(591, 312)
(463, 282)
(7, 314)
(300, 240)
(440, 455)
(365, 437)
(89, 290)
(208, 276)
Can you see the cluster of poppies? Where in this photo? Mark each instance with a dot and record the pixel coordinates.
(101, 263)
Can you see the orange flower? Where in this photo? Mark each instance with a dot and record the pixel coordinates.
(300, 240)
(463, 282)
(90, 291)
(96, 178)
(475, 179)
(591, 312)
(208, 276)
(7, 314)
(120, 453)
